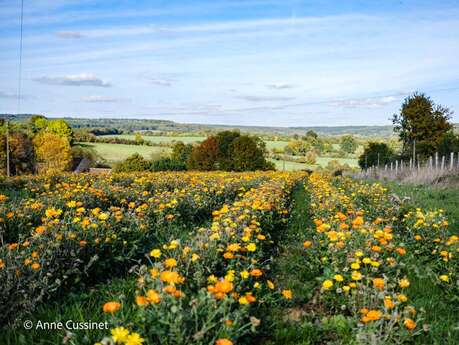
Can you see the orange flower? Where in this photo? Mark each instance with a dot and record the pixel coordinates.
(256, 272)
(141, 300)
(307, 244)
(223, 341)
(372, 315)
(153, 296)
(287, 294)
(378, 283)
(409, 324)
(224, 286)
(111, 307)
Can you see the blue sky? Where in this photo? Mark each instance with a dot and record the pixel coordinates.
(247, 62)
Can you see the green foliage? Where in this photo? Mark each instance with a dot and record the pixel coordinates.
(422, 122)
(167, 164)
(374, 153)
(136, 162)
(181, 152)
(230, 151)
(298, 148)
(348, 144)
(448, 143)
(248, 154)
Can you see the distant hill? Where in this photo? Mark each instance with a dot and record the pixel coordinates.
(131, 125)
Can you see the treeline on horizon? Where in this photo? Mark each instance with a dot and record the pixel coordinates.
(113, 126)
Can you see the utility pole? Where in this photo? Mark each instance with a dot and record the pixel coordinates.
(7, 150)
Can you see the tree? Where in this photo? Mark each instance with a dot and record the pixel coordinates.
(311, 135)
(375, 152)
(138, 138)
(225, 139)
(297, 148)
(61, 128)
(181, 152)
(135, 162)
(37, 123)
(21, 153)
(448, 143)
(421, 123)
(204, 156)
(53, 151)
(229, 151)
(348, 144)
(248, 154)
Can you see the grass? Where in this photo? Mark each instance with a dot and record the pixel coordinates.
(117, 152)
(270, 144)
(81, 307)
(428, 197)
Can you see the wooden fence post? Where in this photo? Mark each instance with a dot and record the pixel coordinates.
(442, 162)
(436, 160)
(451, 161)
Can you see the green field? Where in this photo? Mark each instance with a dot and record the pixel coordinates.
(116, 152)
(270, 144)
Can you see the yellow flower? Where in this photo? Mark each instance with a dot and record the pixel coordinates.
(402, 298)
(327, 284)
(444, 278)
(356, 275)
(170, 262)
(338, 277)
(355, 265)
(404, 283)
(270, 284)
(103, 216)
(244, 274)
(155, 253)
(194, 257)
(243, 300)
(251, 247)
(134, 339)
(119, 334)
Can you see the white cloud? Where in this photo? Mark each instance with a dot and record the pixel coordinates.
(373, 102)
(69, 34)
(83, 79)
(161, 82)
(280, 86)
(264, 98)
(102, 99)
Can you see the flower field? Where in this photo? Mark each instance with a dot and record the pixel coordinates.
(204, 252)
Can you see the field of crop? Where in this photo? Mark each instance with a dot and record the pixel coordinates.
(223, 258)
(113, 153)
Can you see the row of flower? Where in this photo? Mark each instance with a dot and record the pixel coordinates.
(366, 252)
(74, 242)
(202, 290)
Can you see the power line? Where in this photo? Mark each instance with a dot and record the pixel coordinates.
(20, 59)
(8, 172)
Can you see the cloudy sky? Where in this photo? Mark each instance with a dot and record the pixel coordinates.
(252, 62)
